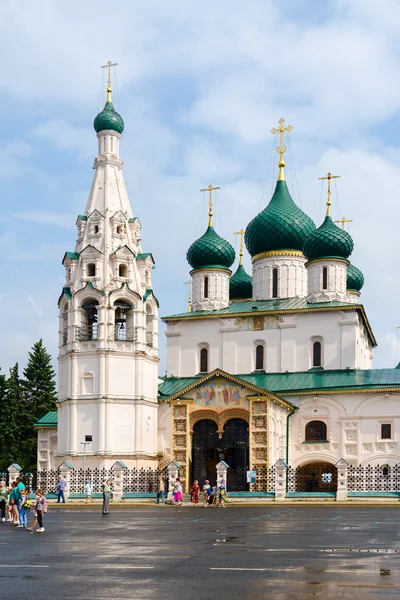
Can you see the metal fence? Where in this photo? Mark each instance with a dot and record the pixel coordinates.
(378, 478)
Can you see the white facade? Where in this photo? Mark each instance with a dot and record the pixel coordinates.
(210, 289)
(354, 428)
(290, 274)
(327, 280)
(287, 339)
(108, 329)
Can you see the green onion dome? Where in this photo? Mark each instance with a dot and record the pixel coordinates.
(355, 279)
(328, 241)
(282, 225)
(240, 285)
(210, 250)
(108, 118)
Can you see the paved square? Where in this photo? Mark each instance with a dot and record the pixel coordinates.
(279, 552)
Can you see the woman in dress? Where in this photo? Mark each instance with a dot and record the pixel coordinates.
(178, 491)
(194, 492)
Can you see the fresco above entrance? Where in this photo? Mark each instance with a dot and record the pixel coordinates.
(221, 393)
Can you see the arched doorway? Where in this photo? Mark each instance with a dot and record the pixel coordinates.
(233, 448)
(315, 477)
(205, 451)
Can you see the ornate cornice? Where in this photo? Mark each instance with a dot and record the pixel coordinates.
(194, 271)
(327, 392)
(272, 253)
(333, 259)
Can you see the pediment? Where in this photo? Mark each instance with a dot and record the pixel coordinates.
(96, 215)
(123, 251)
(118, 217)
(90, 250)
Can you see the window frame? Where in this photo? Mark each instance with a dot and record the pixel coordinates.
(203, 352)
(316, 438)
(313, 361)
(275, 283)
(206, 287)
(257, 357)
(382, 425)
(324, 278)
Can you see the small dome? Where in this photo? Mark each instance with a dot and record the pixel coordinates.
(240, 285)
(210, 250)
(282, 225)
(328, 241)
(108, 118)
(355, 279)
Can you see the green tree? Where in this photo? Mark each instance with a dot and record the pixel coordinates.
(11, 419)
(39, 397)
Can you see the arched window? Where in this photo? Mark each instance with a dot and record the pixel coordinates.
(123, 271)
(204, 360)
(316, 431)
(91, 270)
(275, 282)
(89, 329)
(259, 357)
(124, 330)
(317, 354)
(149, 325)
(205, 287)
(119, 229)
(325, 278)
(96, 229)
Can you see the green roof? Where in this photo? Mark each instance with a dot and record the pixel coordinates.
(144, 255)
(50, 419)
(282, 225)
(210, 250)
(82, 218)
(108, 118)
(148, 293)
(304, 382)
(73, 255)
(132, 220)
(355, 279)
(328, 241)
(240, 285)
(267, 307)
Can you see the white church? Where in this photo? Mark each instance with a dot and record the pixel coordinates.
(273, 365)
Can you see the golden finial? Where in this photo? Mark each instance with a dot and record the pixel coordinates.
(241, 233)
(343, 221)
(210, 190)
(282, 148)
(328, 203)
(189, 303)
(108, 66)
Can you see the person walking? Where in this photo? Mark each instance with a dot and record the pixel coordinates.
(206, 492)
(178, 491)
(39, 509)
(24, 508)
(3, 500)
(88, 491)
(61, 489)
(161, 490)
(194, 492)
(106, 495)
(13, 503)
(221, 495)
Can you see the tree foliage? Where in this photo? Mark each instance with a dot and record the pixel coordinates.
(22, 403)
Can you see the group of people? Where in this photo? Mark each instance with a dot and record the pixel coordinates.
(215, 495)
(15, 501)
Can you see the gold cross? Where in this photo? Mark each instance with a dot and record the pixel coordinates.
(108, 66)
(328, 203)
(210, 190)
(188, 286)
(282, 148)
(343, 221)
(241, 233)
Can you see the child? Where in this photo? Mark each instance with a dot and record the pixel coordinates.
(206, 492)
(88, 492)
(39, 509)
(24, 508)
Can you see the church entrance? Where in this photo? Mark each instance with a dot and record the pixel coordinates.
(208, 450)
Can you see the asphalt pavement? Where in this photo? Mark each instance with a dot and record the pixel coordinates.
(181, 553)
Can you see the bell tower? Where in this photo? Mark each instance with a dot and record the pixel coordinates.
(108, 323)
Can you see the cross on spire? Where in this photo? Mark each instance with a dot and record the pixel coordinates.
(343, 221)
(210, 190)
(189, 300)
(241, 233)
(328, 203)
(282, 148)
(108, 66)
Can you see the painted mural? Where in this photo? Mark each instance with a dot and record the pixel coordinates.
(258, 323)
(221, 393)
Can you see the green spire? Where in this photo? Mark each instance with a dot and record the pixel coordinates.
(210, 250)
(328, 241)
(108, 118)
(354, 279)
(240, 285)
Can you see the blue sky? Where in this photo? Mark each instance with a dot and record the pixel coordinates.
(199, 85)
